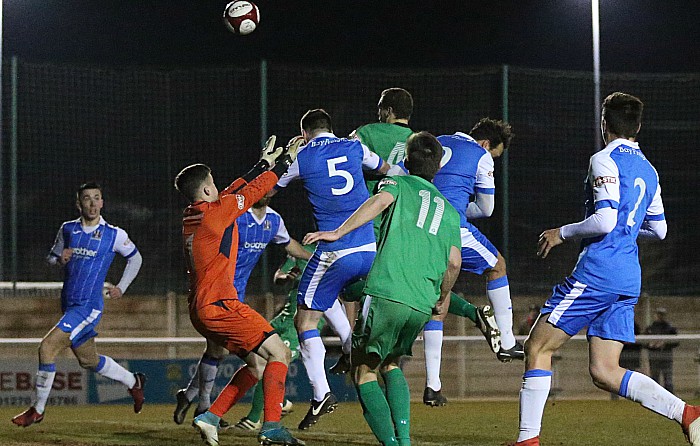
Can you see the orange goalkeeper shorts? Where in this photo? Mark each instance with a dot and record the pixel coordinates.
(232, 324)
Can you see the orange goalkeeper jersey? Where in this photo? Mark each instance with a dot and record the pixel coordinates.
(211, 239)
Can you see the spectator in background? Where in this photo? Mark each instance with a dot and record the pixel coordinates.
(631, 357)
(661, 352)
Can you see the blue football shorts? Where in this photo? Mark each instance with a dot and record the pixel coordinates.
(328, 272)
(478, 253)
(574, 306)
(80, 322)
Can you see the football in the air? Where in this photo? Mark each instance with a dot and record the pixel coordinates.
(241, 17)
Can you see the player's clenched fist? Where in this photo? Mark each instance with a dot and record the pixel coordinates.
(66, 255)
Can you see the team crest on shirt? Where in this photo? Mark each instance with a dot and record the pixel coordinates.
(241, 201)
(599, 181)
(96, 235)
(267, 225)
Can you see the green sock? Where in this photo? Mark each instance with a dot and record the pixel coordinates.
(257, 405)
(462, 307)
(377, 413)
(354, 291)
(399, 398)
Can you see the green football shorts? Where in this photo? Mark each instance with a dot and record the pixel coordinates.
(385, 328)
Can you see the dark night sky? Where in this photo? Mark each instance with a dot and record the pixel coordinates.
(636, 35)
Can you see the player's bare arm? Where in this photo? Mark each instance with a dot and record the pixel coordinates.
(448, 280)
(295, 249)
(368, 211)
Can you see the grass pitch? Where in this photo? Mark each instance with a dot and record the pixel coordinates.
(483, 423)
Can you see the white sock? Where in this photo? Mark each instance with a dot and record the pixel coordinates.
(109, 368)
(498, 293)
(44, 381)
(337, 318)
(533, 396)
(206, 372)
(644, 390)
(313, 355)
(432, 341)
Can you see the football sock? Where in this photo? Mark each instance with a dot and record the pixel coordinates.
(44, 381)
(399, 398)
(206, 369)
(192, 389)
(644, 390)
(313, 355)
(210, 418)
(354, 291)
(338, 320)
(256, 406)
(377, 413)
(274, 377)
(432, 341)
(498, 293)
(240, 383)
(462, 307)
(533, 396)
(109, 368)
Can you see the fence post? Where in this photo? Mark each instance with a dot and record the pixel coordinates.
(505, 180)
(263, 138)
(13, 175)
(171, 311)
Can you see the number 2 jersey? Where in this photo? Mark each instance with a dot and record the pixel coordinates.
(331, 171)
(420, 219)
(253, 236)
(620, 177)
(466, 169)
(93, 252)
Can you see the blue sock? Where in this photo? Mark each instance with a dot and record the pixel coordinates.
(209, 418)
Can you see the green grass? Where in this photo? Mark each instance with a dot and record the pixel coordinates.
(487, 423)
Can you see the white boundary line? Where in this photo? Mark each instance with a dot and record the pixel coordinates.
(326, 340)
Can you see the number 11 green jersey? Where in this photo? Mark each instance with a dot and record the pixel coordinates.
(416, 235)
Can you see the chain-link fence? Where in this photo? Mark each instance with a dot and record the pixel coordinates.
(133, 129)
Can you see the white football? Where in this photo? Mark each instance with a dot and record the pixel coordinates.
(241, 17)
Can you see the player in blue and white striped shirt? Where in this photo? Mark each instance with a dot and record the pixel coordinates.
(623, 202)
(85, 247)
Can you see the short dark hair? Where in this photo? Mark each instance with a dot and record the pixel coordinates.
(623, 114)
(424, 153)
(315, 120)
(400, 101)
(86, 186)
(493, 131)
(190, 178)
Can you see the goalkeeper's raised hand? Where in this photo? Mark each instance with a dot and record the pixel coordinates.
(269, 153)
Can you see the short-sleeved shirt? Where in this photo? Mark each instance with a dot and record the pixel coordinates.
(466, 169)
(93, 252)
(417, 233)
(386, 140)
(331, 171)
(620, 177)
(253, 236)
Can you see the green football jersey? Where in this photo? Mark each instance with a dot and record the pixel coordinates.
(416, 234)
(386, 140)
